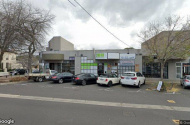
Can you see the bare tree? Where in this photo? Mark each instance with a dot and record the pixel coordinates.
(167, 40)
(23, 28)
(34, 29)
(9, 23)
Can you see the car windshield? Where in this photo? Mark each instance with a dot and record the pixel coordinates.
(128, 74)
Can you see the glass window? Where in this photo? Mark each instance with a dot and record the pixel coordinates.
(178, 64)
(93, 76)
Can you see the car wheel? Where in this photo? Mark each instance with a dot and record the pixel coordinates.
(40, 79)
(99, 84)
(144, 82)
(123, 85)
(84, 82)
(139, 85)
(109, 83)
(60, 81)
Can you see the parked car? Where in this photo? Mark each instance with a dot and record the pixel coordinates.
(51, 72)
(62, 77)
(185, 81)
(19, 72)
(132, 78)
(108, 79)
(84, 79)
(53, 75)
(35, 71)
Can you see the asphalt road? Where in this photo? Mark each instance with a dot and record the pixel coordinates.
(67, 104)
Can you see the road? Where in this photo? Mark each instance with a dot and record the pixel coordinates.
(45, 103)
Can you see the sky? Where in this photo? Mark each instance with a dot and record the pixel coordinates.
(124, 18)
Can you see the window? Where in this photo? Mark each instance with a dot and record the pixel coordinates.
(93, 76)
(139, 74)
(153, 70)
(178, 70)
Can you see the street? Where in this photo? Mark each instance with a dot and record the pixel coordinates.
(48, 103)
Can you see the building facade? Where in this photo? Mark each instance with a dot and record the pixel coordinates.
(90, 61)
(175, 68)
(9, 61)
(107, 61)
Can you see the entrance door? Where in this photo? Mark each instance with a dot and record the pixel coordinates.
(186, 68)
(100, 68)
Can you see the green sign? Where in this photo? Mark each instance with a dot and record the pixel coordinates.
(100, 55)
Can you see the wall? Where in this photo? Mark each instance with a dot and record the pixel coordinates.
(10, 58)
(59, 44)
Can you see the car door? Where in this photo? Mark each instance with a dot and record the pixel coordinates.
(67, 76)
(70, 76)
(115, 79)
(139, 76)
(88, 78)
(93, 78)
(184, 78)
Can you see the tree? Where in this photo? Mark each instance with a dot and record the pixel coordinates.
(34, 29)
(167, 40)
(9, 27)
(23, 28)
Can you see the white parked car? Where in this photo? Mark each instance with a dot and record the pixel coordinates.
(51, 72)
(132, 78)
(185, 81)
(108, 79)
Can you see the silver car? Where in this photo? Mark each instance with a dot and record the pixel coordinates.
(185, 81)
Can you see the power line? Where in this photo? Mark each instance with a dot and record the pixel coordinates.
(98, 22)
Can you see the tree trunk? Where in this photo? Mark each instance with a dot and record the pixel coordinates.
(1, 59)
(29, 63)
(162, 70)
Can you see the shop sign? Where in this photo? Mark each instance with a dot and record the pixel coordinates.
(71, 58)
(113, 55)
(127, 62)
(101, 55)
(159, 85)
(127, 56)
(136, 67)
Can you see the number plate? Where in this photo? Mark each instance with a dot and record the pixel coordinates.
(127, 78)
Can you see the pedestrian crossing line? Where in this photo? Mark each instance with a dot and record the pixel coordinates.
(97, 103)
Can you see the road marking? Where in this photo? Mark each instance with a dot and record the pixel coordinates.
(139, 90)
(108, 89)
(175, 121)
(99, 103)
(171, 101)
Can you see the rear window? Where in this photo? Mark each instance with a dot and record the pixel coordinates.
(104, 75)
(129, 74)
(80, 75)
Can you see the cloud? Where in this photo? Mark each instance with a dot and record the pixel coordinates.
(123, 12)
(124, 18)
